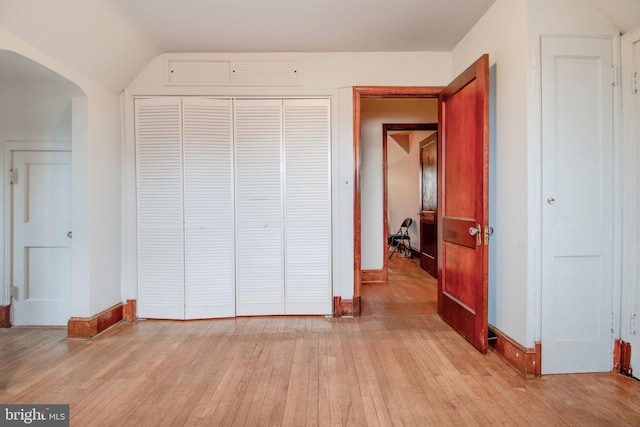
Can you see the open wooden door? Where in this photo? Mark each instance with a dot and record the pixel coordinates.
(463, 164)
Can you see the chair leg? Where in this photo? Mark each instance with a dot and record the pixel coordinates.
(395, 249)
(406, 249)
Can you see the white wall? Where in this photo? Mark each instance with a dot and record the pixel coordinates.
(373, 114)
(501, 33)
(325, 75)
(95, 133)
(403, 184)
(510, 32)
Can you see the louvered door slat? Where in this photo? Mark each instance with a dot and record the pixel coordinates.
(208, 198)
(307, 207)
(258, 133)
(160, 209)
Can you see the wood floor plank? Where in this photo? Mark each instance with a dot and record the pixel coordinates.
(399, 364)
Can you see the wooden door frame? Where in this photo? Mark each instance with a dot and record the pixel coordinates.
(360, 92)
(385, 201)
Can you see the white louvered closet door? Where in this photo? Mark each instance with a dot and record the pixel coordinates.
(208, 199)
(259, 210)
(307, 206)
(160, 208)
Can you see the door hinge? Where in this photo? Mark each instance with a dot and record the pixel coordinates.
(634, 82)
(488, 232)
(614, 76)
(13, 176)
(633, 325)
(613, 323)
(13, 292)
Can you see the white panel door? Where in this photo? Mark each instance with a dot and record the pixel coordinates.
(259, 210)
(160, 208)
(307, 207)
(577, 184)
(633, 128)
(41, 243)
(208, 198)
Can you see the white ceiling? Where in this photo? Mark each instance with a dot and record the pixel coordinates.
(623, 14)
(110, 41)
(304, 25)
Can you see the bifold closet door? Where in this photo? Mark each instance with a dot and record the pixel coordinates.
(233, 207)
(185, 208)
(259, 207)
(208, 203)
(158, 131)
(307, 206)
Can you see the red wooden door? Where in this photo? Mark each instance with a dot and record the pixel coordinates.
(463, 160)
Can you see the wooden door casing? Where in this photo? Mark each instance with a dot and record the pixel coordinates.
(463, 203)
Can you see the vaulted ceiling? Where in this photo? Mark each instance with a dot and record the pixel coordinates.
(110, 41)
(304, 26)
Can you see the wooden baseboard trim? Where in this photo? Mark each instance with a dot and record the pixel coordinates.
(369, 276)
(87, 327)
(5, 316)
(527, 361)
(130, 310)
(355, 303)
(622, 358)
(337, 306)
(345, 308)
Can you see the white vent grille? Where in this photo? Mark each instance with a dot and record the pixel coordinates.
(233, 73)
(198, 72)
(266, 73)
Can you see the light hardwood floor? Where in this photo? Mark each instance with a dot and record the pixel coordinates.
(399, 364)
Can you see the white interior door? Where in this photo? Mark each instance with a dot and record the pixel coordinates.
(160, 208)
(307, 206)
(633, 127)
(577, 217)
(259, 207)
(41, 201)
(208, 200)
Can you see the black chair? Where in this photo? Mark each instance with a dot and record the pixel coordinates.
(400, 241)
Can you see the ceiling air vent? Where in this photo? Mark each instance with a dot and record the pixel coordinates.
(233, 73)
